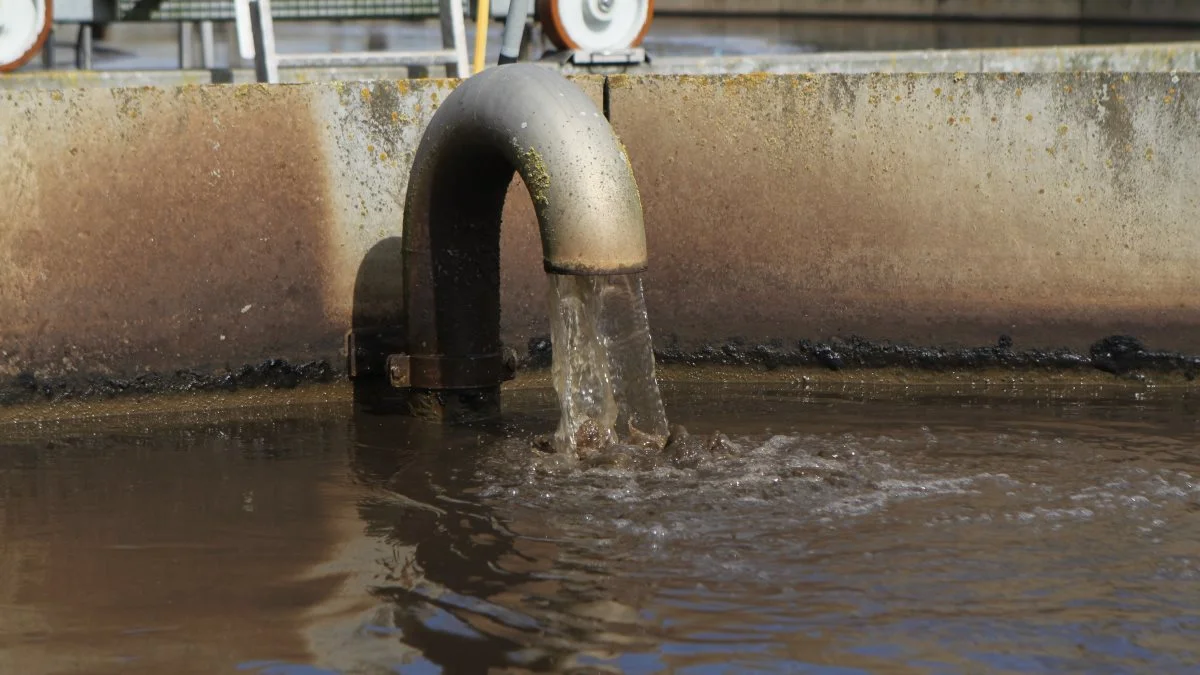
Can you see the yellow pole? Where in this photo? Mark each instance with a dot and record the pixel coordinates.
(482, 10)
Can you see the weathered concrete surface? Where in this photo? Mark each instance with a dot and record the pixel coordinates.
(1136, 11)
(936, 209)
(150, 230)
(218, 230)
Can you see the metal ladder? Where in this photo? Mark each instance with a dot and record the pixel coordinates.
(256, 39)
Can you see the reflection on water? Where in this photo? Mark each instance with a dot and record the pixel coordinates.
(155, 546)
(832, 534)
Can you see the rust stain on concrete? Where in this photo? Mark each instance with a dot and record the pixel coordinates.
(213, 230)
(161, 229)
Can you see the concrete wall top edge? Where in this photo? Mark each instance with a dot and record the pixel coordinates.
(179, 89)
(628, 80)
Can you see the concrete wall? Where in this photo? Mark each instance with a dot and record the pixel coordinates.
(147, 230)
(1060, 10)
(165, 237)
(210, 229)
(926, 208)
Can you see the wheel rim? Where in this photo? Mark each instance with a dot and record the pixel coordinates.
(596, 25)
(24, 25)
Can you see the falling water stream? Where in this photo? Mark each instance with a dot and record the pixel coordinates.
(603, 360)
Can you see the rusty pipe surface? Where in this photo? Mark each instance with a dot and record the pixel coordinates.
(517, 118)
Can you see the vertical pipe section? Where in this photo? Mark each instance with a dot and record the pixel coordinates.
(482, 9)
(514, 31)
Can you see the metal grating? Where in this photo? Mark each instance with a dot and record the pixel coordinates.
(281, 10)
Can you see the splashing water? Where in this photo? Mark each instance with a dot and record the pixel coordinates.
(603, 359)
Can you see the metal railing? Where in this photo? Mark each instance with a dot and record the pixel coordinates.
(256, 37)
(281, 10)
(202, 14)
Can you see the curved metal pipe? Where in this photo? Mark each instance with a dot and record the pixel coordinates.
(518, 118)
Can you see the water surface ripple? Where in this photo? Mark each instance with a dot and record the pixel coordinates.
(830, 534)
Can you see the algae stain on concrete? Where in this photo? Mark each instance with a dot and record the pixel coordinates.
(1115, 122)
(382, 103)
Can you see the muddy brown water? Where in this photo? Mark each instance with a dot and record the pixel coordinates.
(838, 533)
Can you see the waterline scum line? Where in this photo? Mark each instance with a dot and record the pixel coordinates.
(875, 383)
(1115, 360)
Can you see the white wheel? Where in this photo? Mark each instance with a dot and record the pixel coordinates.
(24, 25)
(596, 25)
